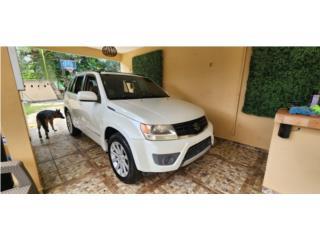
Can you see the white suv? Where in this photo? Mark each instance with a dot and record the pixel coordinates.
(136, 122)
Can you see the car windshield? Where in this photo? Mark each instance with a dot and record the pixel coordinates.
(130, 87)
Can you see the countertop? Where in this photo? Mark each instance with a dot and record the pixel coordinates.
(283, 116)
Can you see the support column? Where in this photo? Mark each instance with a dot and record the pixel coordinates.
(13, 122)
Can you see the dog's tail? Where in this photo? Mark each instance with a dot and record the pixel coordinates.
(42, 121)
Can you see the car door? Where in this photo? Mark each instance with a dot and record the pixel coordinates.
(91, 111)
(72, 102)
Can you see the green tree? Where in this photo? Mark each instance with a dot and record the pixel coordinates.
(29, 65)
(38, 64)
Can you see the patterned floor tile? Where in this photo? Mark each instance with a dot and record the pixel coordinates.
(257, 185)
(35, 140)
(157, 190)
(60, 149)
(235, 152)
(91, 183)
(95, 152)
(50, 180)
(69, 160)
(181, 184)
(84, 143)
(101, 161)
(56, 137)
(42, 153)
(47, 167)
(219, 175)
(116, 186)
(76, 170)
(61, 189)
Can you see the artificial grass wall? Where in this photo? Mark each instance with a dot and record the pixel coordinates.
(280, 76)
(149, 65)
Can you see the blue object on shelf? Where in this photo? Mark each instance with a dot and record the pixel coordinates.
(301, 110)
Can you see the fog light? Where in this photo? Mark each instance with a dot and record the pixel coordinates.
(165, 159)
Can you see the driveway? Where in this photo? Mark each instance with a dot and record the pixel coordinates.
(79, 165)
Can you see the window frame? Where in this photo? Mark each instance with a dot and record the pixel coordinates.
(71, 84)
(85, 83)
(75, 82)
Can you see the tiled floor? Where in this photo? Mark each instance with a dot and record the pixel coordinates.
(78, 165)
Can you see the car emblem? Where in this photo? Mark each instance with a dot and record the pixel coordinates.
(196, 126)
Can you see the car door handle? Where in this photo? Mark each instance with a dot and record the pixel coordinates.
(111, 108)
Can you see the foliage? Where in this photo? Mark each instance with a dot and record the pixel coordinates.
(32, 108)
(95, 64)
(149, 65)
(29, 63)
(280, 76)
(38, 64)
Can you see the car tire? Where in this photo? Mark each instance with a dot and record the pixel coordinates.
(121, 159)
(71, 128)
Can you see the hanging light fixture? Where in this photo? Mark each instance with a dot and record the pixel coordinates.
(109, 51)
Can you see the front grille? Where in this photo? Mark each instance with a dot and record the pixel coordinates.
(191, 127)
(197, 148)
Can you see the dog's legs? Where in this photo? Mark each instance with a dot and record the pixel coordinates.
(39, 126)
(46, 128)
(51, 123)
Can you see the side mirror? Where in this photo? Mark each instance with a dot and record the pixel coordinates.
(87, 96)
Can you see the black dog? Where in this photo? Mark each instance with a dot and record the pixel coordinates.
(46, 116)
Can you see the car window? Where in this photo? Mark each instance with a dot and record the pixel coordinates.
(78, 84)
(91, 85)
(130, 87)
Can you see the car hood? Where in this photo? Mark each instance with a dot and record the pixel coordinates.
(157, 110)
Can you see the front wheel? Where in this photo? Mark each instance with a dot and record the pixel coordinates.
(71, 128)
(121, 159)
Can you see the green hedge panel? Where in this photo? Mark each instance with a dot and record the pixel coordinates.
(149, 65)
(280, 76)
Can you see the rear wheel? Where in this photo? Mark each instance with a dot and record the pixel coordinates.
(72, 129)
(121, 159)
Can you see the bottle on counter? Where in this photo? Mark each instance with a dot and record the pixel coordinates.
(315, 99)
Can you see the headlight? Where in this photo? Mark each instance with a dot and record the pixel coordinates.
(158, 132)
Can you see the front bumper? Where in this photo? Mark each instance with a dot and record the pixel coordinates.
(143, 150)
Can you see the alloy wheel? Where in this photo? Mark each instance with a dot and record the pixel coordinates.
(69, 122)
(119, 158)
